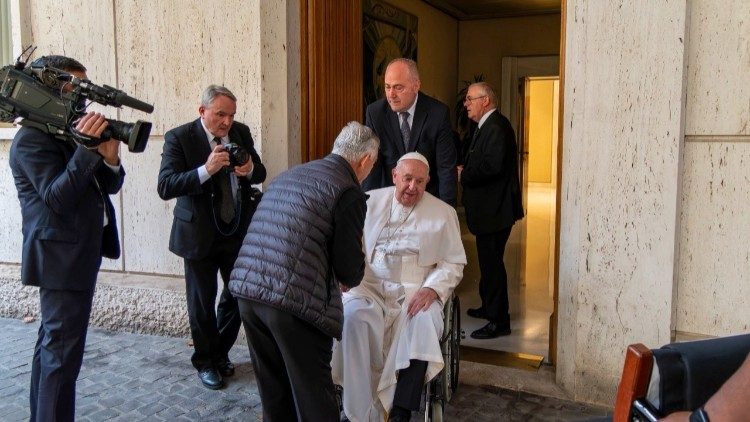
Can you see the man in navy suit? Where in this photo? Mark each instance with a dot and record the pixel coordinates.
(492, 201)
(213, 210)
(68, 225)
(408, 120)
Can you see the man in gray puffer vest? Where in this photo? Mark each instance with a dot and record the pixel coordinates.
(304, 244)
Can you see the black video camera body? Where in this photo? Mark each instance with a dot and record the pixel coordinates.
(34, 95)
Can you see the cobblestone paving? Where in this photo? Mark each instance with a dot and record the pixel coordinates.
(133, 377)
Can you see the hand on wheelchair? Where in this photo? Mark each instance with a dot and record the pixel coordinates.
(421, 300)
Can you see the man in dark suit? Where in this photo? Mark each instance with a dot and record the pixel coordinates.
(492, 201)
(68, 225)
(408, 120)
(212, 213)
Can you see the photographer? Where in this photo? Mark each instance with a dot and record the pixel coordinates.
(68, 225)
(204, 169)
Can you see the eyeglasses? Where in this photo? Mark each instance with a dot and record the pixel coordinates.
(469, 99)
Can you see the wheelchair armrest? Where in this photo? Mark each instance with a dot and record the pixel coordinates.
(634, 381)
(691, 372)
(686, 375)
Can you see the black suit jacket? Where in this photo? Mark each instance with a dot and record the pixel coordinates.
(431, 136)
(491, 191)
(185, 149)
(63, 189)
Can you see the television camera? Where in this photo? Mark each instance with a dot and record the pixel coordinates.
(36, 94)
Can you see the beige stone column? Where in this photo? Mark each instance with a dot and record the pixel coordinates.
(278, 87)
(624, 109)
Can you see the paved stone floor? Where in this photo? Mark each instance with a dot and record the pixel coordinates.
(132, 377)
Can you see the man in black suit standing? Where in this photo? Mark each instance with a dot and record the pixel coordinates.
(213, 210)
(68, 225)
(408, 120)
(492, 201)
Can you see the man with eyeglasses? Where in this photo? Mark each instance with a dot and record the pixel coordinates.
(492, 201)
(408, 120)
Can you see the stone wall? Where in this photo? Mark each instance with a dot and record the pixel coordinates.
(713, 295)
(621, 157)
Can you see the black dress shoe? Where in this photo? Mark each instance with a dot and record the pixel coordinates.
(491, 330)
(226, 368)
(477, 313)
(211, 378)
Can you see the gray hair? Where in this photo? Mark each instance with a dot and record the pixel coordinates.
(355, 141)
(213, 91)
(410, 64)
(486, 90)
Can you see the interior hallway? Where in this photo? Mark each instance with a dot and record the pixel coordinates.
(531, 303)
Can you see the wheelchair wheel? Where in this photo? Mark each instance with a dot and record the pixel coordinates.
(451, 349)
(455, 342)
(436, 411)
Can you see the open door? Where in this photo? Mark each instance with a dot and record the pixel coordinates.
(522, 142)
(331, 72)
(537, 158)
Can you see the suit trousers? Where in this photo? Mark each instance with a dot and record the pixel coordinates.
(58, 353)
(409, 386)
(493, 284)
(292, 363)
(214, 330)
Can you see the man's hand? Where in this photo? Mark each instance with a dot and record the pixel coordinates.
(217, 160)
(110, 150)
(244, 170)
(421, 300)
(92, 124)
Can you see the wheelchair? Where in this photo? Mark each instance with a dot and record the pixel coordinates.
(439, 391)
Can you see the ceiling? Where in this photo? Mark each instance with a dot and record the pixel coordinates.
(487, 9)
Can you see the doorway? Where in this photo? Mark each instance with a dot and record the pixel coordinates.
(530, 99)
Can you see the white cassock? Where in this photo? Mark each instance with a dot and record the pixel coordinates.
(405, 249)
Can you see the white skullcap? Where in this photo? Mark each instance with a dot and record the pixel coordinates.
(415, 156)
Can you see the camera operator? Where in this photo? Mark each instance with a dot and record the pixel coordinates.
(215, 201)
(68, 225)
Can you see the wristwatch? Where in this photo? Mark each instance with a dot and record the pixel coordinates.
(699, 415)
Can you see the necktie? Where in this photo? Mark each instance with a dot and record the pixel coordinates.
(225, 187)
(405, 129)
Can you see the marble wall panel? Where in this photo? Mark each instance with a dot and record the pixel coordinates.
(168, 53)
(81, 29)
(718, 90)
(146, 218)
(621, 156)
(273, 95)
(714, 282)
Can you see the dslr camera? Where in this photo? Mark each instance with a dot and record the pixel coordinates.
(238, 156)
(35, 94)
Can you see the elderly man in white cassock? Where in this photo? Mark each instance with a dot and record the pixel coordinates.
(393, 320)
